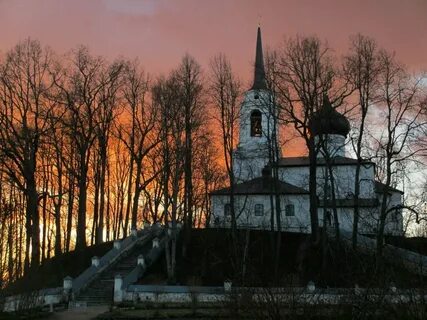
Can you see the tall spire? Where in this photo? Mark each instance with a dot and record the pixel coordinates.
(259, 77)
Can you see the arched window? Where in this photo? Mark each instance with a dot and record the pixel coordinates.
(256, 126)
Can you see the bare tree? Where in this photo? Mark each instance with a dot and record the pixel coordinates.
(402, 107)
(82, 87)
(304, 75)
(225, 90)
(189, 78)
(166, 95)
(209, 176)
(361, 69)
(274, 150)
(25, 108)
(108, 100)
(140, 136)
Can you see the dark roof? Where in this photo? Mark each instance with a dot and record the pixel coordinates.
(379, 188)
(259, 72)
(329, 121)
(305, 161)
(261, 185)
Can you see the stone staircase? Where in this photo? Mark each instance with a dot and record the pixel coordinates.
(100, 291)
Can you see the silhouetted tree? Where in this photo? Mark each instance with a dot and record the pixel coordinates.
(224, 91)
(361, 69)
(305, 75)
(401, 105)
(25, 109)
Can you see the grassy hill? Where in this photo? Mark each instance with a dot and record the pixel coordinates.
(51, 273)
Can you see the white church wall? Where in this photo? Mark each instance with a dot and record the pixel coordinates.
(368, 220)
(344, 217)
(246, 217)
(300, 222)
(344, 179)
(394, 220)
(334, 145)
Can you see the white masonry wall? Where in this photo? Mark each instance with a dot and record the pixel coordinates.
(334, 145)
(245, 212)
(344, 179)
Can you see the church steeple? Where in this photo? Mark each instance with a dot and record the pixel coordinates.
(256, 124)
(259, 72)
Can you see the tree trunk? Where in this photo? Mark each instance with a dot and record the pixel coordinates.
(58, 237)
(356, 205)
(313, 191)
(107, 213)
(137, 193)
(100, 232)
(44, 209)
(69, 211)
(32, 211)
(81, 215)
(96, 181)
(383, 217)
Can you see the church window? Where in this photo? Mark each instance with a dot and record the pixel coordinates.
(290, 210)
(256, 126)
(259, 209)
(328, 218)
(227, 209)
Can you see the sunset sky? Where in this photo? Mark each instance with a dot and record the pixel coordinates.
(159, 32)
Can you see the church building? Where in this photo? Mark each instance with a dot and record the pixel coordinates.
(252, 169)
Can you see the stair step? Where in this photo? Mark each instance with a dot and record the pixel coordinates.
(100, 291)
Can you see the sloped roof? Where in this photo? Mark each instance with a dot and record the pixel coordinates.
(261, 185)
(305, 161)
(379, 188)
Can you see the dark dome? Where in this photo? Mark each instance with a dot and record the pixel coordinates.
(328, 121)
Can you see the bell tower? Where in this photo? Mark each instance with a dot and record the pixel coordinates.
(257, 124)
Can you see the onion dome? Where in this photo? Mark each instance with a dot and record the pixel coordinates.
(328, 121)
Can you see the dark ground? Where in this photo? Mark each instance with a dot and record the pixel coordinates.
(416, 244)
(51, 273)
(210, 261)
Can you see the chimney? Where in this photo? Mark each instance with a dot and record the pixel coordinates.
(266, 177)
